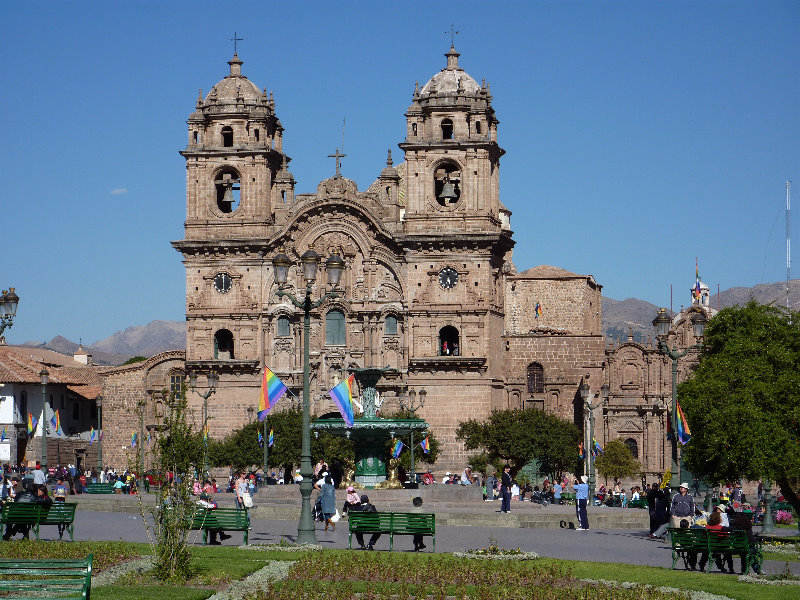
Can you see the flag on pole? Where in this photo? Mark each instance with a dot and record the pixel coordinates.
(134, 438)
(205, 434)
(696, 293)
(581, 451)
(426, 446)
(537, 311)
(342, 395)
(598, 449)
(55, 421)
(397, 449)
(684, 433)
(4, 434)
(272, 389)
(92, 435)
(271, 438)
(100, 435)
(32, 422)
(260, 439)
(149, 436)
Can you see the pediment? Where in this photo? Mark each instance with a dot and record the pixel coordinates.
(629, 426)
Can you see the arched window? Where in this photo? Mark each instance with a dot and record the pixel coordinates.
(631, 444)
(283, 327)
(447, 129)
(228, 190)
(448, 341)
(227, 136)
(535, 378)
(334, 328)
(194, 137)
(256, 135)
(223, 345)
(414, 129)
(447, 183)
(478, 127)
(390, 325)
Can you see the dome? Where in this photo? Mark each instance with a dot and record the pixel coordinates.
(235, 87)
(452, 79)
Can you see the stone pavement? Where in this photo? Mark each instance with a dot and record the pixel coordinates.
(629, 546)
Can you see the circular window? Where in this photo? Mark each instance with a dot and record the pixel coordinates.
(222, 283)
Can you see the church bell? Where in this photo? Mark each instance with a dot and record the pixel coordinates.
(228, 197)
(448, 191)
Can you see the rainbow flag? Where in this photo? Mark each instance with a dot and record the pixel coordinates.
(272, 389)
(426, 446)
(55, 421)
(205, 434)
(684, 433)
(32, 422)
(271, 438)
(397, 448)
(260, 439)
(4, 434)
(342, 395)
(149, 436)
(100, 437)
(581, 451)
(134, 437)
(696, 292)
(537, 311)
(598, 449)
(92, 435)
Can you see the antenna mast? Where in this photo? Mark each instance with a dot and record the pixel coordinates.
(788, 243)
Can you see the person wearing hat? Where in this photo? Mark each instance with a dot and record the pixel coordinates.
(351, 501)
(581, 499)
(682, 506)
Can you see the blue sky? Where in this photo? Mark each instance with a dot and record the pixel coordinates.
(639, 135)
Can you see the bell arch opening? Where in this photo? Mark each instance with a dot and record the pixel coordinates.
(228, 190)
(448, 341)
(223, 345)
(447, 183)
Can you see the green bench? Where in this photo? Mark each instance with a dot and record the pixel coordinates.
(99, 488)
(35, 515)
(703, 541)
(392, 523)
(640, 503)
(224, 519)
(568, 497)
(45, 578)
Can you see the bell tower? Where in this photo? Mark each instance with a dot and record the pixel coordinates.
(452, 154)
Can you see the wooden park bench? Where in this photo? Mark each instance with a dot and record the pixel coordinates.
(99, 488)
(224, 519)
(710, 543)
(392, 523)
(34, 515)
(46, 578)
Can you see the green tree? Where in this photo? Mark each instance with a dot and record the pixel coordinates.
(520, 436)
(743, 402)
(617, 462)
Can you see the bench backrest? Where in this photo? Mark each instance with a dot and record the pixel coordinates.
(58, 512)
(220, 518)
(714, 541)
(59, 576)
(23, 513)
(390, 521)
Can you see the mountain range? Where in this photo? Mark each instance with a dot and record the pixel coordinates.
(620, 319)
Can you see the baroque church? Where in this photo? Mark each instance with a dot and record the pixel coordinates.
(429, 286)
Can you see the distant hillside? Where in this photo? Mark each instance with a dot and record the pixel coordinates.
(150, 339)
(765, 293)
(64, 346)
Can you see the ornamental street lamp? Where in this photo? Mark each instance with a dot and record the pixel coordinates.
(411, 404)
(142, 405)
(334, 266)
(213, 379)
(767, 523)
(662, 325)
(586, 395)
(8, 310)
(44, 376)
(99, 436)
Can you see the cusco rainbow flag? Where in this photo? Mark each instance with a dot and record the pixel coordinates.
(342, 395)
(397, 449)
(32, 422)
(4, 435)
(272, 389)
(92, 435)
(55, 421)
(271, 438)
(684, 433)
(425, 445)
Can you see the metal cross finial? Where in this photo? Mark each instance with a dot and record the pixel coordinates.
(337, 156)
(235, 39)
(453, 33)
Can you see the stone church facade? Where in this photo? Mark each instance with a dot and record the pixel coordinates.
(429, 287)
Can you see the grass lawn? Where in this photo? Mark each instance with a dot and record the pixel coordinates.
(338, 574)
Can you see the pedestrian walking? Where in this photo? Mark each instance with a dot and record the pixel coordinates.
(581, 498)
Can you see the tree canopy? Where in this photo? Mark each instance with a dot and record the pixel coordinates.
(617, 462)
(743, 402)
(522, 435)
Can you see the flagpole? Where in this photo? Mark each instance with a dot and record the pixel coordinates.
(266, 451)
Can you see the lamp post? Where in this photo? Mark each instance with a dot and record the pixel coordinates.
(44, 376)
(99, 436)
(142, 405)
(250, 411)
(8, 310)
(213, 380)
(334, 266)
(412, 405)
(585, 395)
(767, 523)
(661, 324)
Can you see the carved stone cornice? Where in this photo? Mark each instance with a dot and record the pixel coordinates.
(239, 367)
(461, 364)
